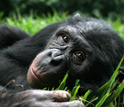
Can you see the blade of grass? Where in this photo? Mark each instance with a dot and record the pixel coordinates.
(115, 94)
(75, 93)
(91, 101)
(86, 95)
(109, 84)
(103, 99)
(77, 82)
(75, 86)
(63, 83)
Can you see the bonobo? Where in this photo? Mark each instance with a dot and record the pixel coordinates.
(88, 49)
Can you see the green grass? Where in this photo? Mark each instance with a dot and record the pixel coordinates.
(106, 96)
(118, 25)
(34, 23)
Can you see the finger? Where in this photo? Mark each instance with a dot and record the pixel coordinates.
(54, 96)
(61, 96)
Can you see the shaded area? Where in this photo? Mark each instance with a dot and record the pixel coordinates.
(111, 8)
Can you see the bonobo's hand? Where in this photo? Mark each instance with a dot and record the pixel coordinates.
(38, 98)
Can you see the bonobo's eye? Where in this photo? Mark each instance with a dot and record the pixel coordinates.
(79, 56)
(63, 38)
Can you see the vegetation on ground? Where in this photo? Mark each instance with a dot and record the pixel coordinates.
(33, 23)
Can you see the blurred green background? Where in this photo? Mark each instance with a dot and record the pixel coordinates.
(95, 8)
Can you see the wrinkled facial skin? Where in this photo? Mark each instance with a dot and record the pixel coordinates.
(61, 55)
(46, 68)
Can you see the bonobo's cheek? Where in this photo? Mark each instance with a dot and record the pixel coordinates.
(47, 69)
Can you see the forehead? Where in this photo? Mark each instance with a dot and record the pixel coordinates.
(86, 24)
(73, 31)
(70, 28)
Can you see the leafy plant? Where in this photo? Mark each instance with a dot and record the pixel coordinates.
(106, 96)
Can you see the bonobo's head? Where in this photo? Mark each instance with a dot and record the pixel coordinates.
(88, 49)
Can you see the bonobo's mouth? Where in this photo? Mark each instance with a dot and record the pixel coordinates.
(34, 79)
(35, 75)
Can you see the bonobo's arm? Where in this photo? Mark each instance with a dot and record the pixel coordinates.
(10, 71)
(9, 35)
(38, 98)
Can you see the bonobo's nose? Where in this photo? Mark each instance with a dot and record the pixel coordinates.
(56, 57)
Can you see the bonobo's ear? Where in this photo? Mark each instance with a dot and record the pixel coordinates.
(77, 15)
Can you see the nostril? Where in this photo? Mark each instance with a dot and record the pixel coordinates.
(57, 60)
(56, 57)
(56, 53)
(50, 54)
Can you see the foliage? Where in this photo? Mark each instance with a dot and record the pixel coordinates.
(97, 8)
(38, 22)
(26, 23)
(118, 26)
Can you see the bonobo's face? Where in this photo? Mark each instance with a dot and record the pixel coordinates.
(84, 48)
(66, 52)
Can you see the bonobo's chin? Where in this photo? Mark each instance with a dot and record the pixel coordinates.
(33, 80)
(36, 80)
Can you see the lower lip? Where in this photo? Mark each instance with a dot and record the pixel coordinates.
(34, 75)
